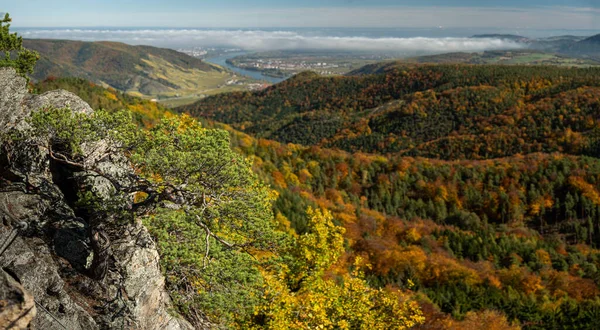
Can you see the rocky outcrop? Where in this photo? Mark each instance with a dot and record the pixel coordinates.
(17, 307)
(51, 255)
(33, 264)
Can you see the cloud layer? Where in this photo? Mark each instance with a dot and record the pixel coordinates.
(260, 40)
(514, 15)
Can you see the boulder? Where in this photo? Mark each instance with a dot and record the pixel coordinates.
(58, 99)
(12, 94)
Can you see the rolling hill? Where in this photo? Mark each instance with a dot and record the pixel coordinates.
(589, 46)
(138, 70)
(480, 233)
(564, 44)
(557, 43)
(436, 111)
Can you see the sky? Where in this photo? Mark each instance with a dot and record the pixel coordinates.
(532, 14)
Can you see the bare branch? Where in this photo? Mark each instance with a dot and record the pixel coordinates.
(207, 249)
(208, 232)
(63, 159)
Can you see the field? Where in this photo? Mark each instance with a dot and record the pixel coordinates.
(174, 101)
(193, 84)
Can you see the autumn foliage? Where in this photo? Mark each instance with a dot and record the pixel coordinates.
(472, 190)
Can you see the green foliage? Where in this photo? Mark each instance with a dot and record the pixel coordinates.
(201, 200)
(11, 44)
(68, 131)
(221, 283)
(216, 186)
(223, 216)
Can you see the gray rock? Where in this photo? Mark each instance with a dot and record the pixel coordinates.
(140, 279)
(31, 261)
(70, 242)
(58, 99)
(12, 93)
(22, 206)
(49, 259)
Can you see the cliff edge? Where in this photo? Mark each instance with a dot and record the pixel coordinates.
(45, 245)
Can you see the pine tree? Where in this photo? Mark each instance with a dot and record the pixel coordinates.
(12, 45)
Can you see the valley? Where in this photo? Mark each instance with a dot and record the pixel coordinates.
(287, 63)
(560, 50)
(310, 183)
(180, 78)
(164, 75)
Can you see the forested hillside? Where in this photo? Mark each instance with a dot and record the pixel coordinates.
(515, 235)
(443, 111)
(272, 280)
(498, 226)
(588, 47)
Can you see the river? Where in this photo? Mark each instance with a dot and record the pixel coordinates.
(222, 61)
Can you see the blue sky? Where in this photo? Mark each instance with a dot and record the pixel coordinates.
(567, 14)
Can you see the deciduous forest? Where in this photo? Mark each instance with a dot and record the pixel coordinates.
(436, 197)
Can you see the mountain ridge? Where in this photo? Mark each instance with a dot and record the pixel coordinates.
(587, 47)
(411, 108)
(140, 70)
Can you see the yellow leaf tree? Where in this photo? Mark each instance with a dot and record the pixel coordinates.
(304, 295)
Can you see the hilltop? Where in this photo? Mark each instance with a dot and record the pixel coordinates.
(589, 46)
(138, 70)
(593, 39)
(437, 111)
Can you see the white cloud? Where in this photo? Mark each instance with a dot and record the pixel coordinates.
(550, 17)
(260, 40)
(401, 16)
